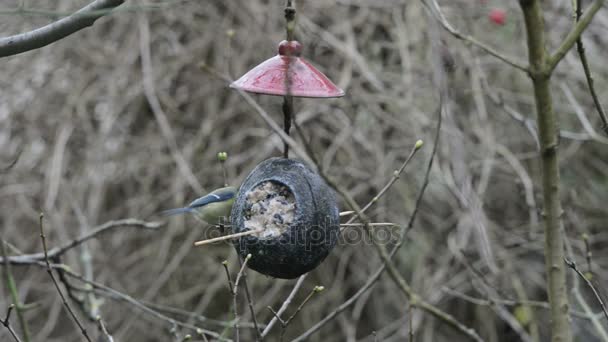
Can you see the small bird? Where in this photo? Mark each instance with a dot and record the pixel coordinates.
(210, 208)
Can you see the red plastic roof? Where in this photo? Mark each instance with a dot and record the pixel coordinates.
(273, 76)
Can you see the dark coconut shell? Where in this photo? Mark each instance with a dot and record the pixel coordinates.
(313, 232)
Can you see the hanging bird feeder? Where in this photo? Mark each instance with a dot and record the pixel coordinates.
(287, 211)
(292, 214)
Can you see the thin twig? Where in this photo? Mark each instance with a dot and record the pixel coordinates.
(234, 303)
(250, 303)
(436, 11)
(50, 272)
(104, 331)
(580, 113)
(7, 323)
(114, 294)
(411, 326)
(221, 157)
(285, 323)
(316, 289)
(90, 304)
(285, 304)
(55, 31)
(195, 316)
(572, 265)
(596, 319)
(573, 35)
(12, 289)
(225, 264)
(53, 253)
(580, 48)
(138, 8)
(396, 175)
(588, 253)
(235, 290)
(508, 302)
(276, 315)
(240, 274)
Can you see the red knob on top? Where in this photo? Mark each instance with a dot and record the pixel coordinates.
(290, 48)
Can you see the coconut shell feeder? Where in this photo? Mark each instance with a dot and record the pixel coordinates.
(295, 214)
(288, 209)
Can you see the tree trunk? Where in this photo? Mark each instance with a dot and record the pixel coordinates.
(549, 141)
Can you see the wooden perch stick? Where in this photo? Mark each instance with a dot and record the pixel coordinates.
(227, 237)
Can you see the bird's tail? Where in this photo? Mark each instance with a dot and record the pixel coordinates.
(175, 211)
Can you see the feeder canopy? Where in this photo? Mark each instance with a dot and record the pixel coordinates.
(287, 74)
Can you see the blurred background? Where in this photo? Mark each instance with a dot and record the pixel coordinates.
(120, 121)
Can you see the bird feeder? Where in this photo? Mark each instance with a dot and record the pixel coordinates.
(289, 214)
(294, 214)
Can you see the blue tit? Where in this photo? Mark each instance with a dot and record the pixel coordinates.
(210, 208)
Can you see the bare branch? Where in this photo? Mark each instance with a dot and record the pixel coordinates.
(574, 35)
(57, 30)
(250, 302)
(578, 12)
(195, 316)
(285, 323)
(436, 11)
(386, 187)
(284, 305)
(316, 289)
(104, 331)
(36, 258)
(50, 272)
(14, 293)
(235, 290)
(117, 295)
(573, 266)
(7, 323)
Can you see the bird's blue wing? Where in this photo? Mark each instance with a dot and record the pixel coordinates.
(216, 196)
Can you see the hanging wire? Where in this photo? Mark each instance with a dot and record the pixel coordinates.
(290, 19)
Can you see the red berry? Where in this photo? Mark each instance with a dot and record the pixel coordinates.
(498, 16)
